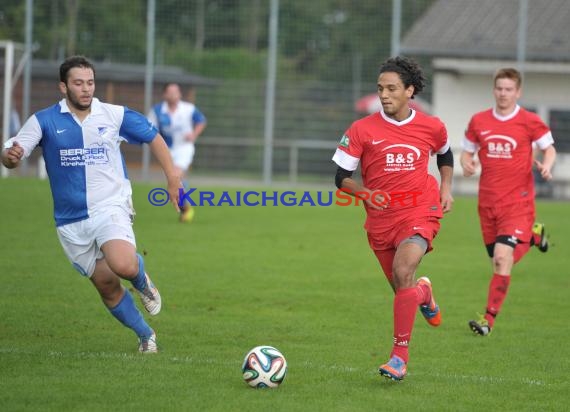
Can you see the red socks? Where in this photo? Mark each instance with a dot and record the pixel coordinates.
(424, 294)
(406, 304)
(497, 293)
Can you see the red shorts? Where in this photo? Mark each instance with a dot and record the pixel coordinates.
(384, 244)
(511, 220)
(426, 226)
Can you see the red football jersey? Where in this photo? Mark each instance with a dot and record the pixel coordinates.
(394, 158)
(504, 145)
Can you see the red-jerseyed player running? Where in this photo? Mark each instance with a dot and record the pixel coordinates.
(503, 138)
(394, 147)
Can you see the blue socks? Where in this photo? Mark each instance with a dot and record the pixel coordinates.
(127, 313)
(139, 282)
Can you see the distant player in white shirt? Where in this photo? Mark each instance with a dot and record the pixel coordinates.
(180, 123)
(80, 139)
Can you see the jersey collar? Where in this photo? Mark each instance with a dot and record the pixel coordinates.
(95, 106)
(507, 117)
(397, 123)
(164, 107)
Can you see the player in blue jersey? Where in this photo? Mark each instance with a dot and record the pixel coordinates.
(180, 123)
(80, 138)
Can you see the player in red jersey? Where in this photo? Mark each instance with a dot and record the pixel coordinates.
(403, 201)
(503, 139)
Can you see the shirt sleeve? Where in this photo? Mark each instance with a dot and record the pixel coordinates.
(469, 142)
(349, 150)
(541, 134)
(198, 117)
(136, 128)
(28, 137)
(544, 142)
(441, 141)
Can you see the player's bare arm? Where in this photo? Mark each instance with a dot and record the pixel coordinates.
(198, 129)
(11, 157)
(160, 150)
(445, 165)
(468, 163)
(373, 199)
(548, 158)
(446, 173)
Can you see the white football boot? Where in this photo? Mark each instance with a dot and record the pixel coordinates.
(150, 297)
(148, 345)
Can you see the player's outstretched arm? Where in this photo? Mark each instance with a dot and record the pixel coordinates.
(11, 157)
(160, 150)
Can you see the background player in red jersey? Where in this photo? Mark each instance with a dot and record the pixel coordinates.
(503, 138)
(403, 201)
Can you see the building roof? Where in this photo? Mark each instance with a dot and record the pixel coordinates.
(122, 72)
(489, 29)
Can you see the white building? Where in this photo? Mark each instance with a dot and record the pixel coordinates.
(467, 41)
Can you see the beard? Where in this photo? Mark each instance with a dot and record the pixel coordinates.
(389, 110)
(74, 101)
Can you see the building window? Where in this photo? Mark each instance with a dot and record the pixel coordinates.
(560, 126)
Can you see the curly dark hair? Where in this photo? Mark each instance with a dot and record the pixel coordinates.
(409, 71)
(72, 62)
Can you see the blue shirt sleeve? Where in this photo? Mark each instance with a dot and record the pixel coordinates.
(198, 117)
(136, 128)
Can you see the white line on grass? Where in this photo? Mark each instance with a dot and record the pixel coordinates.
(446, 376)
(209, 361)
(477, 378)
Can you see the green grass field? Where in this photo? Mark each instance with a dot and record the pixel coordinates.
(301, 279)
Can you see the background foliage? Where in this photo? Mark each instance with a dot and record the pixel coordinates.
(317, 39)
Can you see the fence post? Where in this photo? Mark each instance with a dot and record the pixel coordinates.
(293, 162)
(148, 80)
(270, 93)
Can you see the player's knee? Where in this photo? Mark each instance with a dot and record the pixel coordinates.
(125, 268)
(403, 277)
(501, 260)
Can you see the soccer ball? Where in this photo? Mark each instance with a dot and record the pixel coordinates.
(264, 367)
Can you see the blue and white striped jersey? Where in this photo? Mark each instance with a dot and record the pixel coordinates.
(84, 163)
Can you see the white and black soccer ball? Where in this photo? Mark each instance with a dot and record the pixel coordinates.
(264, 367)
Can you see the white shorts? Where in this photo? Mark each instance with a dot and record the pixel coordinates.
(182, 155)
(81, 241)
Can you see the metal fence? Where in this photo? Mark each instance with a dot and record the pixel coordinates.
(283, 77)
